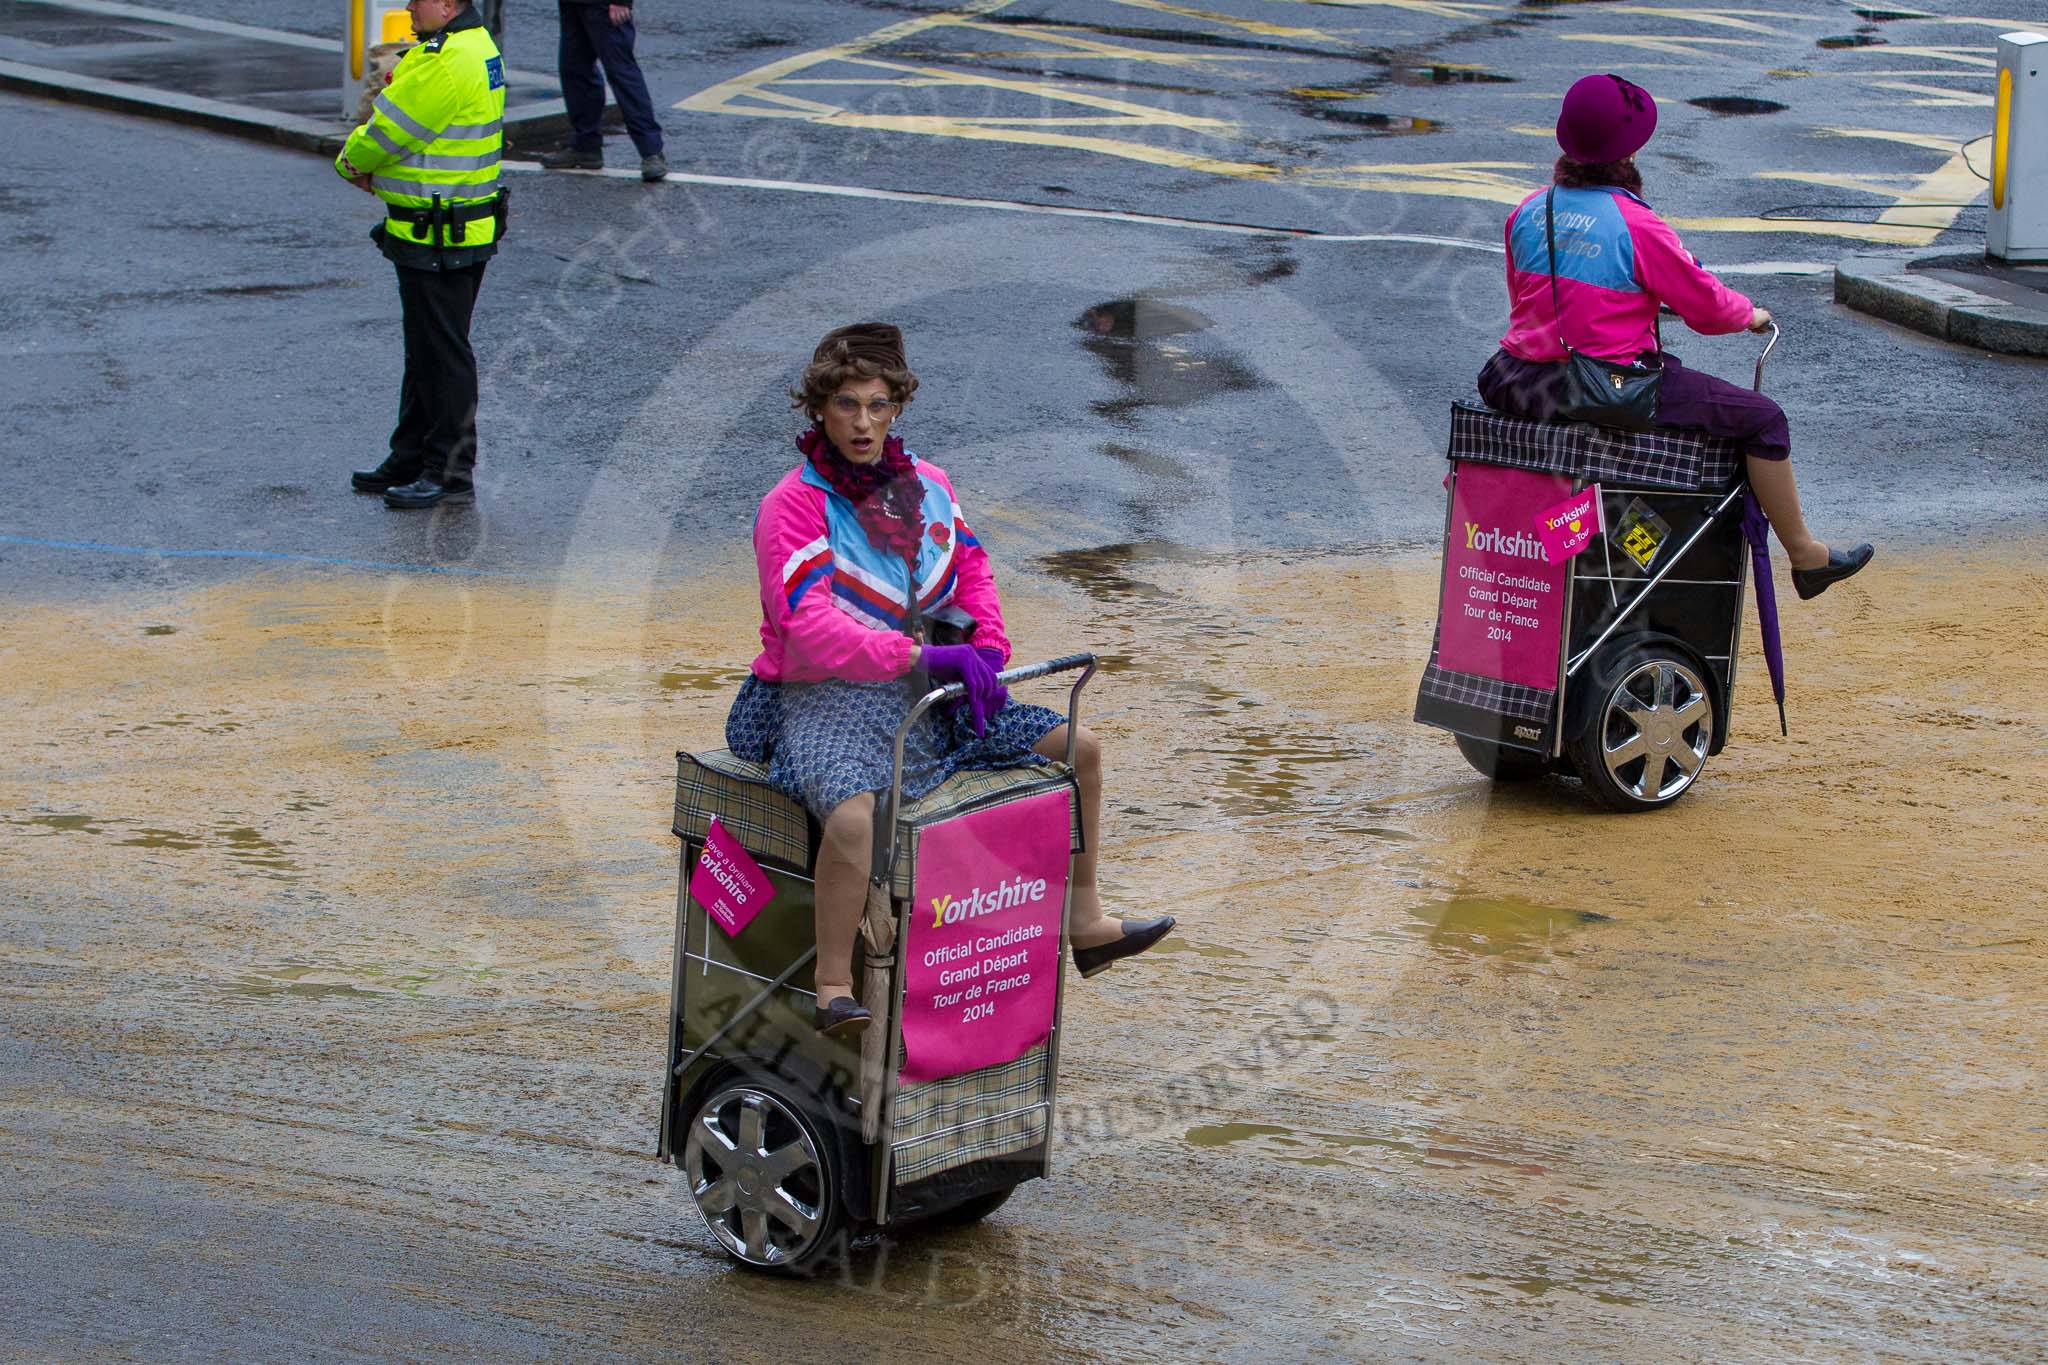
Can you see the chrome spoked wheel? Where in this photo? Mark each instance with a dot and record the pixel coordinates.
(1655, 731)
(759, 1177)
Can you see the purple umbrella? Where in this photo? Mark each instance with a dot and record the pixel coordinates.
(1756, 527)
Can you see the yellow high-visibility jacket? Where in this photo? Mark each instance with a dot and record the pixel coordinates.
(437, 133)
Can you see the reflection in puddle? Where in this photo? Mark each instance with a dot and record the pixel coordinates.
(1430, 1146)
(1129, 337)
(241, 843)
(1390, 125)
(700, 680)
(1510, 929)
(1450, 73)
(314, 980)
(1106, 572)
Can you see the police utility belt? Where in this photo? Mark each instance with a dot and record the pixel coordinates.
(446, 224)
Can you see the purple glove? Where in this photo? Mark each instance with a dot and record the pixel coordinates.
(976, 668)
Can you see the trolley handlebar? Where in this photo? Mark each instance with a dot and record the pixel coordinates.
(1009, 677)
(885, 809)
(1769, 346)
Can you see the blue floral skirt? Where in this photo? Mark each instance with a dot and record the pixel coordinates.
(824, 742)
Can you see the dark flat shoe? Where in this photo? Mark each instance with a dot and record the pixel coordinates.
(1841, 564)
(426, 492)
(384, 477)
(843, 1018)
(1139, 934)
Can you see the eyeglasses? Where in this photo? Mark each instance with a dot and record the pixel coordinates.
(881, 410)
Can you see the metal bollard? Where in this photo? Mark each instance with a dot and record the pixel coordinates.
(2018, 231)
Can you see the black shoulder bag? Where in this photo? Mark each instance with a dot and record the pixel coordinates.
(1595, 390)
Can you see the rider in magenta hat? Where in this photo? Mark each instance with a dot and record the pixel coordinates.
(1616, 263)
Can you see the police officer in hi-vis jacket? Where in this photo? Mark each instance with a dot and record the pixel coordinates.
(431, 153)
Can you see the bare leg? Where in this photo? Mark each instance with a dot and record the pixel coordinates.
(1087, 925)
(1775, 489)
(842, 891)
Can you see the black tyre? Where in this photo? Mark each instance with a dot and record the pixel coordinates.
(765, 1176)
(972, 1210)
(1501, 762)
(1646, 727)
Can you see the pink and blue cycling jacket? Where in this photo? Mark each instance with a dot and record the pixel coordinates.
(833, 606)
(1616, 261)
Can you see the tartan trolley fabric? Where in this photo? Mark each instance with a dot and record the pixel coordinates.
(926, 1110)
(1533, 704)
(768, 824)
(777, 830)
(1687, 460)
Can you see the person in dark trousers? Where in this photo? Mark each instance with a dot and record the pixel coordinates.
(594, 33)
(430, 151)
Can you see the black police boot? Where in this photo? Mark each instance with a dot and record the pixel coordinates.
(390, 474)
(428, 491)
(570, 159)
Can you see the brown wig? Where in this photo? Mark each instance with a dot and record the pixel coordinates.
(1586, 175)
(837, 365)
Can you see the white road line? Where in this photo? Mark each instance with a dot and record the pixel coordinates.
(1119, 216)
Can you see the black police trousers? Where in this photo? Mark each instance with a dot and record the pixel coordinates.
(436, 431)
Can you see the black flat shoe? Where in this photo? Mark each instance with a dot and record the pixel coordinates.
(384, 476)
(426, 492)
(1841, 564)
(843, 1018)
(1139, 934)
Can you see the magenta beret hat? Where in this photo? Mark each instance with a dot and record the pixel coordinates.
(1605, 118)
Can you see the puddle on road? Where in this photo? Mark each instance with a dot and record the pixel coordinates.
(1387, 125)
(1129, 337)
(1510, 929)
(1449, 73)
(326, 980)
(242, 844)
(1432, 1147)
(1736, 104)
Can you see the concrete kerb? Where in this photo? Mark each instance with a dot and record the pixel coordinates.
(1896, 287)
(527, 125)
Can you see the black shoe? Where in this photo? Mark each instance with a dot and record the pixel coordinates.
(569, 159)
(426, 491)
(1841, 564)
(1139, 934)
(653, 168)
(390, 474)
(843, 1018)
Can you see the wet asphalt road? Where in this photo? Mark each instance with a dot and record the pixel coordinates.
(203, 344)
(199, 342)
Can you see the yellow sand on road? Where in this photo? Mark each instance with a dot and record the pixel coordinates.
(1606, 1075)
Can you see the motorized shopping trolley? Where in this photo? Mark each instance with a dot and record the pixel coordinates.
(1591, 602)
(792, 1143)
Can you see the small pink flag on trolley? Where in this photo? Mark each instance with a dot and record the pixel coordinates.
(1569, 527)
(728, 883)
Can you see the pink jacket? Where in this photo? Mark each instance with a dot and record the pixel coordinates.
(832, 606)
(1616, 261)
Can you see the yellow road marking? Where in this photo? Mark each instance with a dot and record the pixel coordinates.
(1724, 18)
(768, 92)
(1965, 56)
(1939, 98)
(1264, 30)
(1673, 47)
(1440, 9)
